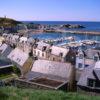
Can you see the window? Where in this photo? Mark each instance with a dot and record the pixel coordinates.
(80, 65)
(90, 82)
(61, 54)
(38, 53)
(42, 54)
(12, 56)
(95, 58)
(34, 51)
(97, 83)
(94, 83)
(86, 65)
(53, 59)
(81, 56)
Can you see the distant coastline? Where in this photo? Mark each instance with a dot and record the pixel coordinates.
(91, 27)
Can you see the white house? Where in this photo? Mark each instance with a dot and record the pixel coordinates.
(15, 38)
(40, 48)
(55, 50)
(1, 39)
(23, 39)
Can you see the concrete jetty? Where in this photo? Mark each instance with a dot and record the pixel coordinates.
(75, 31)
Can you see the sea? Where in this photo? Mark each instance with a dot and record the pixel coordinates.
(89, 26)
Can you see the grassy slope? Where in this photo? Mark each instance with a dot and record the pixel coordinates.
(7, 22)
(11, 93)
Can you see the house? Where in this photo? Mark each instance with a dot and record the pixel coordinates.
(93, 53)
(23, 39)
(1, 39)
(57, 53)
(3, 47)
(15, 39)
(86, 58)
(40, 49)
(30, 40)
(5, 50)
(19, 56)
(50, 52)
(60, 54)
(8, 38)
(50, 74)
(6, 71)
(90, 79)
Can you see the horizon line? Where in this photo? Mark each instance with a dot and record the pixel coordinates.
(55, 20)
(60, 20)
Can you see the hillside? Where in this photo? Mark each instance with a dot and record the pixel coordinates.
(7, 22)
(11, 93)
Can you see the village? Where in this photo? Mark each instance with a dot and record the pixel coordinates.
(73, 66)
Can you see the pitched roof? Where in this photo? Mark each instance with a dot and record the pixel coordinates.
(3, 47)
(23, 39)
(14, 37)
(18, 56)
(90, 53)
(5, 63)
(87, 73)
(97, 70)
(1, 39)
(55, 50)
(6, 52)
(52, 68)
(97, 65)
(89, 61)
(41, 44)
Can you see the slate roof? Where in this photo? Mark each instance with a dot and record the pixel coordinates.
(19, 56)
(41, 44)
(91, 72)
(97, 70)
(97, 73)
(3, 47)
(5, 63)
(55, 50)
(23, 39)
(87, 73)
(52, 68)
(6, 52)
(91, 52)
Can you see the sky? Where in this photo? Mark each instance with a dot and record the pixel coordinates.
(51, 10)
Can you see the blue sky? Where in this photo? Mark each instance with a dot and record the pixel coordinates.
(53, 10)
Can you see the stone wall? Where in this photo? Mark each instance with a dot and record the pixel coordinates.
(24, 84)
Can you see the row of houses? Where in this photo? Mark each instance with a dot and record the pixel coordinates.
(54, 64)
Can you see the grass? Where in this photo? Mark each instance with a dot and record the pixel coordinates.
(12, 93)
(4, 77)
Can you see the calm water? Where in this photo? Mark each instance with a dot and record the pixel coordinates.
(59, 35)
(90, 26)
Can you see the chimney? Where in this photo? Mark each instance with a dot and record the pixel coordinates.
(72, 79)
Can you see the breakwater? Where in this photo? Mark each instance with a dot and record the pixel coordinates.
(76, 32)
